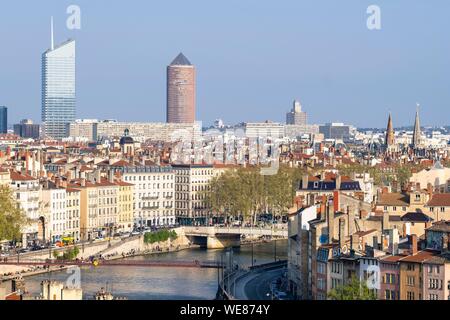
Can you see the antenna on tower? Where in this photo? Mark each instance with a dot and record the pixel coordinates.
(51, 31)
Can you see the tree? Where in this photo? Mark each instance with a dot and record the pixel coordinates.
(354, 290)
(12, 218)
(245, 192)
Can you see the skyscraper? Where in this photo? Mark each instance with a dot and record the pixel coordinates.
(58, 88)
(417, 135)
(296, 116)
(3, 120)
(181, 86)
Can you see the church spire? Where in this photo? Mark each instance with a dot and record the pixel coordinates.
(417, 135)
(390, 138)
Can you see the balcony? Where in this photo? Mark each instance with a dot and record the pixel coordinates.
(150, 207)
(150, 198)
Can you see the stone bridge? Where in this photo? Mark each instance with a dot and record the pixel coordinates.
(222, 237)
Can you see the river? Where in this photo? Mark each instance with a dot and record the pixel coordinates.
(154, 283)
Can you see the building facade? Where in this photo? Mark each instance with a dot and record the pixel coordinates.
(191, 183)
(296, 116)
(181, 91)
(58, 89)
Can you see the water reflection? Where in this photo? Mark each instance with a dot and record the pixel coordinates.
(144, 283)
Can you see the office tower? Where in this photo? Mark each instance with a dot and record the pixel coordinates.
(181, 91)
(296, 116)
(3, 120)
(58, 88)
(27, 129)
(335, 131)
(417, 135)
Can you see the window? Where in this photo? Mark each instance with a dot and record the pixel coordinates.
(442, 209)
(410, 295)
(410, 281)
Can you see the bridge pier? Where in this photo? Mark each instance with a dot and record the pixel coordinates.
(223, 241)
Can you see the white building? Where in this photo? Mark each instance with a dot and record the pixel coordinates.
(191, 181)
(154, 191)
(27, 193)
(55, 199)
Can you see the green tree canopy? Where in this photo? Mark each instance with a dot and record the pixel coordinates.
(12, 218)
(247, 192)
(354, 290)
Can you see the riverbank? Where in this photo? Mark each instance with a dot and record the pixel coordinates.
(114, 252)
(51, 269)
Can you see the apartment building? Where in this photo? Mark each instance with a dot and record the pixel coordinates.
(390, 277)
(191, 183)
(73, 198)
(436, 278)
(154, 191)
(125, 205)
(27, 193)
(411, 274)
(98, 207)
(54, 198)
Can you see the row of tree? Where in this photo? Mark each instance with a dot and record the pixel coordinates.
(246, 192)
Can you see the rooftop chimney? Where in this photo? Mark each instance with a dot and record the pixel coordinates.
(330, 221)
(413, 244)
(305, 182)
(336, 202)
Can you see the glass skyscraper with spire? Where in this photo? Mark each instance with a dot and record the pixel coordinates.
(58, 89)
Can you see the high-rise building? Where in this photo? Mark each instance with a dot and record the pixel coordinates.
(296, 116)
(181, 86)
(27, 129)
(3, 120)
(58, 89)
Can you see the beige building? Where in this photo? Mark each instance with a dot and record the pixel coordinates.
(438, 176)
(155, 131)
(438, 207)
(125, 202)
(98, 208)
(73, 199)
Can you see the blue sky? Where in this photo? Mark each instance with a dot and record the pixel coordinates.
(253, 58)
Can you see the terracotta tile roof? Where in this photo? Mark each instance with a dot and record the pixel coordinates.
(391, 259)
(440, 200)
(16, 176)
(442, 226)
(420, 256)
(121, 163)
(394, 199)
(124, 184)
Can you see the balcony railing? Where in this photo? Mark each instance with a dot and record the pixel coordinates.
(150, 197)
(150, 207)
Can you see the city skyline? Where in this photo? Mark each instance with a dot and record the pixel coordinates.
(364, 63)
